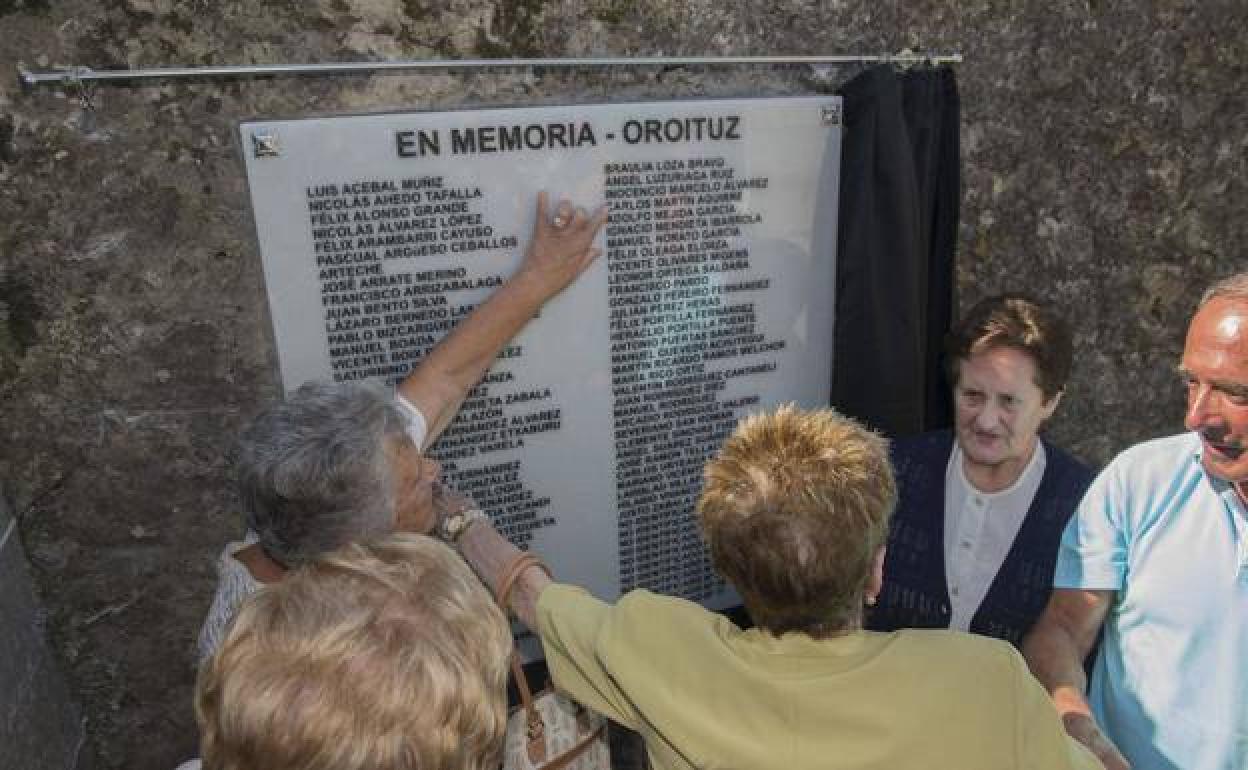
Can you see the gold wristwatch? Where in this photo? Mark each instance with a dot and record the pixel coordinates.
(453, 525)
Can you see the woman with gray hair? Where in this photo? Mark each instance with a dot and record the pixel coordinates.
(336, 463)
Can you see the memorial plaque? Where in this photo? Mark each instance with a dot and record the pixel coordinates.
(585, 441)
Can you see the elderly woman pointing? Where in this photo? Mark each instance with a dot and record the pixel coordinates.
(795, 510)
(334, 464)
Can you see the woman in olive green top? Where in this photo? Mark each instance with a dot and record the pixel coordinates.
(795, 511)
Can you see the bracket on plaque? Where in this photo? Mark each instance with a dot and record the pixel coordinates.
(265, 145)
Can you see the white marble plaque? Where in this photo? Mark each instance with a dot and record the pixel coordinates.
(713, 299)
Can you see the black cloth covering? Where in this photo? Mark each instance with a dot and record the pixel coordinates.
(900, 194)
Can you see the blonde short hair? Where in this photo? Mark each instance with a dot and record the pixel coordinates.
(794, 508)
(382, 656)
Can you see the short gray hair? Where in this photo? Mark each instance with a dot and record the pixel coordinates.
(1231, 287)
(314, 472)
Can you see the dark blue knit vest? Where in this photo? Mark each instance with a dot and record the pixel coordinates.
(915, 592)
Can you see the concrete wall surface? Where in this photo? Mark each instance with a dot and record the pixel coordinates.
(1104, 148)
(40, 726)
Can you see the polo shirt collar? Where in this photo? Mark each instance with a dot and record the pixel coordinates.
(1235, 507)
(1224, 489)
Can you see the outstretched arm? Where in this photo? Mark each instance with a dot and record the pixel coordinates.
(561, 249)
(1055, 650)
(462, 524)
(490, 554)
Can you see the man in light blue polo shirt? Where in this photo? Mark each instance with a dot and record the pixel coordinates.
(1157, 556)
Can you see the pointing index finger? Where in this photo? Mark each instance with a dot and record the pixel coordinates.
(599, 217)
(543, 201)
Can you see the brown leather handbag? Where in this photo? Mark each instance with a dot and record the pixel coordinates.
(549, 731)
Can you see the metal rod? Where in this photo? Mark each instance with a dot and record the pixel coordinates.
(69, 75)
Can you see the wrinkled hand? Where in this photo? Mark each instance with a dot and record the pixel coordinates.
(448, 500)
(562, 245)
(1084, 729)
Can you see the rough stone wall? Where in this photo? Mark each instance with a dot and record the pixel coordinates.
(1104, 149)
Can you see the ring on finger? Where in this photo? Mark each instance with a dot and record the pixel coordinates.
(558, 221)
